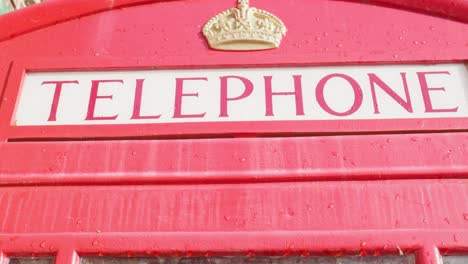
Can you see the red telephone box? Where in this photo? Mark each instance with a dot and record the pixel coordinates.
(158, 131)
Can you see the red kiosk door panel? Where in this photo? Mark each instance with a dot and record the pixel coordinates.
(345, 144)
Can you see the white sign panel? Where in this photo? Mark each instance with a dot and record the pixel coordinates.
(226, 95)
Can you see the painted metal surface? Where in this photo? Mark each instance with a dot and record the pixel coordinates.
(325, 158)
(369, 193)
(327, 217)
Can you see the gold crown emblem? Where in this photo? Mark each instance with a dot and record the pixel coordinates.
(244, 28)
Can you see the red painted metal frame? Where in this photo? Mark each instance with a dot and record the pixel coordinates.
(68, 9)
(318, 223)
(241, 160)
(285, 195)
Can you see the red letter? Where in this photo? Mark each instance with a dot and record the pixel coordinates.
(426, 96)
(357, 94)
(223, 112)
(180, 93)
(93, 98)
(297, 93)
(376, 80)
(55, 101)
(137, 102)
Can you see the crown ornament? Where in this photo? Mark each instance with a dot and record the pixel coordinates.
(244, 28)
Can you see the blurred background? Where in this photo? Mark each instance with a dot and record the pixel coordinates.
(11, 5)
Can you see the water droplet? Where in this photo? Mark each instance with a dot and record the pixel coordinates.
(242, 159)
(363, 243)
(95, 243)
(339, 45)
(465, 217)
(43, 244)
(416, 42)
(397, 223)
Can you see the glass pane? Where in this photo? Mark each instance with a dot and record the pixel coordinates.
(30, 260)
(455, 259)
(257, 260)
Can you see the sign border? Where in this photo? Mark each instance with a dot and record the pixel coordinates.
(10, 132)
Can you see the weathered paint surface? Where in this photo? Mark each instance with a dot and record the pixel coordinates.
(366, 193)
(326, 158)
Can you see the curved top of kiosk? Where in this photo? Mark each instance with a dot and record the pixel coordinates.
(56, 11)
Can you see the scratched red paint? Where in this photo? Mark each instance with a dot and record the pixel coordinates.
(357, 193)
